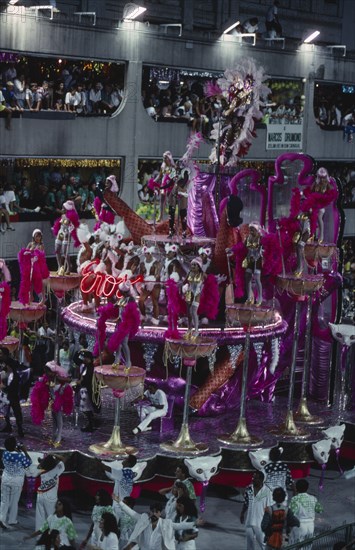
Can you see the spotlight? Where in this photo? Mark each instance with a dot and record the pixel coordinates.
(231, 27)
(132, 11)
(311, 37)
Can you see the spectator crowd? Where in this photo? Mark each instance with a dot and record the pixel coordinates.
(81, 87)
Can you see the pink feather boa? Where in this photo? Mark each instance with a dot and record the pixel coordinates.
(209, 298)
(24, 260)
(212, 89)
(5, 292)
(56, 227)
(97, 205)
(73, 217)
(128, 326)
(176, 306)
(240, 252)
(40, 270)
(272, 253)
(109, 311)
(64, 399)
(39, 399)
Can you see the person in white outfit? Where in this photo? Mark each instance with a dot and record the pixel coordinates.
(15, 460)
(152, 532)
(50, 468)
(186, 511)
(304, 507)
(256, 498)
(156, 408)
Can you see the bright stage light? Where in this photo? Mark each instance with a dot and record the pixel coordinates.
(311, 37)
(231, 27)
(13, 2)
(132, 11)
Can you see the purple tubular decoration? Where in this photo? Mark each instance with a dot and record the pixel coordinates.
(337, 453)
(30, 491)
(321, 481)
(255, 177)
(304, 178)
(201, 207)
(205, 484)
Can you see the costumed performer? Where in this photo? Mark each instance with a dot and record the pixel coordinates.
(52, 389)
(50, 468)
(64, 229)
(201, 294)
(10, 386)
(318, 196)
(155, 407)
(252, 263)
(177, 197)
(5, 297)
(127, 314)
(150, 269)
(90, 398)
(166, 173)
(33, 269)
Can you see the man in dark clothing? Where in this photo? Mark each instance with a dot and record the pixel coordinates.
(11, 388)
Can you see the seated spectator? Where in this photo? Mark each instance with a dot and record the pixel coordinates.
(10, 198)
(9, 73)
(95, 98)
(59, 97)
(81, 107)
(6, 110)
(19, 90)
(272, 23)
(250, 25)
(4, 215)
(31, 97)
(43, 97)
(72, 99)
(9, 96)
(150, 109)
(116, 96)
(106, 102)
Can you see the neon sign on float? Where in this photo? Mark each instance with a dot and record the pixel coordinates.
(102, 284)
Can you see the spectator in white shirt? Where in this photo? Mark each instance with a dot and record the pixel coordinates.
(4, 213)
(43, 97)
(251, 25)
(31, 96)
(81, 107)
(156, 407)
(19, 90)
(72, 99)
(95, 97)
(10, 198)
(6, 110)
(64, 356)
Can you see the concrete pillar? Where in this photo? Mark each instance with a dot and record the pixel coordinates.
(188, 15)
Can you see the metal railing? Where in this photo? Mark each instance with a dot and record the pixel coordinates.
(325, 541)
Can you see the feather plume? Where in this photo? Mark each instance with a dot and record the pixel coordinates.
(5, 293)
(39, 400)
(209, 298)
(128, 326)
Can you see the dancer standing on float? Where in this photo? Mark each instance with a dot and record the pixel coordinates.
(33, 269)
(150, 269)
(166, 173)
(64, 229)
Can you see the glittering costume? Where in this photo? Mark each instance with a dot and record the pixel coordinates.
(150, 269)
(252, 263)
(64, 230)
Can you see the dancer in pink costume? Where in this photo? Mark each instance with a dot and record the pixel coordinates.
(166, 173)
(33, 269)
(201, 295)
(127, 326)
(318, 196)
(64, 229)
(5, 297)
(52, 389)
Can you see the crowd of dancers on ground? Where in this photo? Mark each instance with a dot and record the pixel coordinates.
(269, 518)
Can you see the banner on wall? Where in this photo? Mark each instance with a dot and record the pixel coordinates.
(284, 136)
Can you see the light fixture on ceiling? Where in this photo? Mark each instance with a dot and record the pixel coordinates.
(229, 29)
(132, 11)
(311, 37)
(13, 2)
